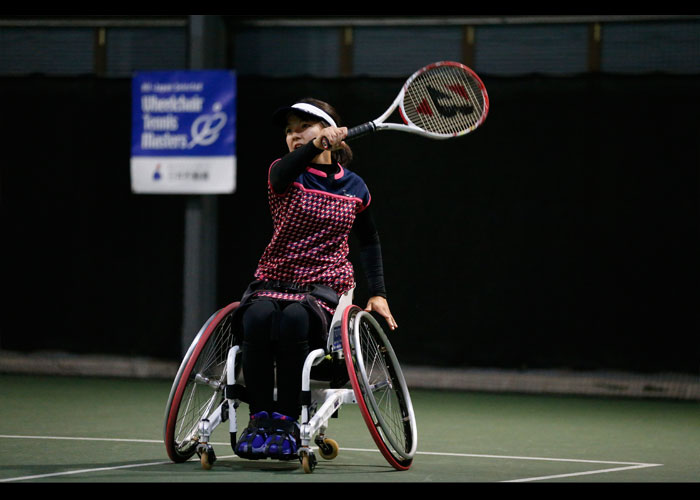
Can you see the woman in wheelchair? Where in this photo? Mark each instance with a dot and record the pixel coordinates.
(315, 202)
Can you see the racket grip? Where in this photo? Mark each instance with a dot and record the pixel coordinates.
(360, 130)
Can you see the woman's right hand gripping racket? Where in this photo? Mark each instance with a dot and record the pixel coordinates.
(440, 101)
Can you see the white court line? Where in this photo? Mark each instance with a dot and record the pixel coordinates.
(81, 471)
(573, 474)
(627, 465)
(84, 439)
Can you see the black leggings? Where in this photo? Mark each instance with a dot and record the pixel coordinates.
(275, 334)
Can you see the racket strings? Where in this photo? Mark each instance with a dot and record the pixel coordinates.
(444, 100)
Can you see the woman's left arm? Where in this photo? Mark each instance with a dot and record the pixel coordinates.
(371, 256)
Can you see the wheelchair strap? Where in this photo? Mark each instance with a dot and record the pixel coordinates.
(236, 391)
(320, 292)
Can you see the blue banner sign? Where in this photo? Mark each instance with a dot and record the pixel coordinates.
(183, 133)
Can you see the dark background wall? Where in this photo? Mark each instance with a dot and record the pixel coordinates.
(564, 233)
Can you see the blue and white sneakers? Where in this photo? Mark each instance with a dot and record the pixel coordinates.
(269, 436)
(283, 440)
(251, 444)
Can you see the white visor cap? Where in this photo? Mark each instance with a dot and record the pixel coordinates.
(280, 116)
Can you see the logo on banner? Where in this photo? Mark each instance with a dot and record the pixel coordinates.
(205, 128)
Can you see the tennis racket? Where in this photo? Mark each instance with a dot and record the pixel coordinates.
(439, 101)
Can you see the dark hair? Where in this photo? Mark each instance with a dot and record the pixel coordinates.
(342, 156)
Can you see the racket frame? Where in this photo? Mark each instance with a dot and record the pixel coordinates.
(379, 123)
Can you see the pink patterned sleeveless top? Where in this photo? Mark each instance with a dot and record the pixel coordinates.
(311, 226)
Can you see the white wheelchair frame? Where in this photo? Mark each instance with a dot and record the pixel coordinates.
(314, 418)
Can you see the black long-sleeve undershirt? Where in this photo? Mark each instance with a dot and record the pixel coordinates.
(288, 168)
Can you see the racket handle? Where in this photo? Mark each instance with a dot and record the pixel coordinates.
(360, 130)
(353, 133)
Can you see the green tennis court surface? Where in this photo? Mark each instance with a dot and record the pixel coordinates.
(69, 429)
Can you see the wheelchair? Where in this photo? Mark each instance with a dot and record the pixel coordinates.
(206, 391)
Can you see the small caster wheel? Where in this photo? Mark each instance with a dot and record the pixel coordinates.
(207, 457)
(327, 448)
(308, 461)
